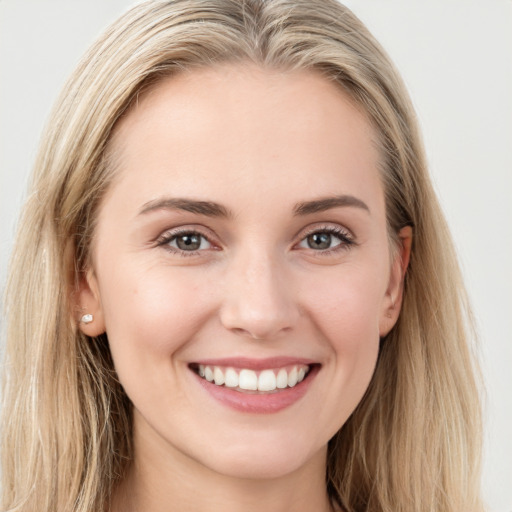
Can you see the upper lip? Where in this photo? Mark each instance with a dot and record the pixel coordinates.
(255, 364)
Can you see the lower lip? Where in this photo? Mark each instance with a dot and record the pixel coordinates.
(264, 403)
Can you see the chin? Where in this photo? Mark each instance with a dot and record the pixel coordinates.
(263, 456)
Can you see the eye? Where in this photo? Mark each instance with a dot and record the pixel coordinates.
(320, 241)
(185, 241)
(189, 242)
(327, 239)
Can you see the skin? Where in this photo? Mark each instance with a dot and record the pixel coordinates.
(257, 142)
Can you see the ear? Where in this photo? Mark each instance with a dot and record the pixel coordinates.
(394, 294)
(88, 302)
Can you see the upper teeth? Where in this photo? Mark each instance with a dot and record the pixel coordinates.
(265, 380)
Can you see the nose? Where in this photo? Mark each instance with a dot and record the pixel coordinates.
(259, 300)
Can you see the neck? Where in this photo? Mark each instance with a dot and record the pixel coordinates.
(176, 483)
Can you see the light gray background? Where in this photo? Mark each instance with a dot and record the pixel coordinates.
(456, 58)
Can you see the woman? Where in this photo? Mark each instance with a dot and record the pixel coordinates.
(242, 292)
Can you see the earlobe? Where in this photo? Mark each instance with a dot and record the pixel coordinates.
(394, 294)
(90, 313)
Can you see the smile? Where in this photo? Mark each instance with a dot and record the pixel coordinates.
(245, 380)
(256, 386)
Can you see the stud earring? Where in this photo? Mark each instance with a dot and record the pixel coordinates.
(86, 319)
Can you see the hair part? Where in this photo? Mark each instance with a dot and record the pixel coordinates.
(412, 444)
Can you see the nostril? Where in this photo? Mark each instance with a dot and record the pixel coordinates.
(258, 335)
(258, 325)
(247, 333)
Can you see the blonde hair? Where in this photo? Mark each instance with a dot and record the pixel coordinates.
(412, 444)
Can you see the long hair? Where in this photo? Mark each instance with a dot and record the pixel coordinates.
(412, 444)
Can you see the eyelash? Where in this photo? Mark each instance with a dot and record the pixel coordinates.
(345, 237)
(166, 238)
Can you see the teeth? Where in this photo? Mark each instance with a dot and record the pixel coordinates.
(292, 377)
(267, 381)
(208, 374)
(218, 376)
(231, 378)
(282, 379)
(249, 380)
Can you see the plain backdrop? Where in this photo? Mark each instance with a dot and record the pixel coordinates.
(456, 58)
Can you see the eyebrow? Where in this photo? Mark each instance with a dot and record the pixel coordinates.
(327, 203)
(207, 208)
(212, 209)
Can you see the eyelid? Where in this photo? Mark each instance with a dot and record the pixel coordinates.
(327, 227)
(345, 235)
(169, 234)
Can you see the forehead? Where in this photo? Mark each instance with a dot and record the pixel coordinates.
(209, 129)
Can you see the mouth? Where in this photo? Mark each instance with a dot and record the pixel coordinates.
(247, 380)
(256, 386)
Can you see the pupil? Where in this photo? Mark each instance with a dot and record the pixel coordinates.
(189, 242)
(319, 241)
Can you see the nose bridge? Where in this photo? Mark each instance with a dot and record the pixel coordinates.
(258, 296)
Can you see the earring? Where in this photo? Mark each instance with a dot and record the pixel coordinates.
(86, 319)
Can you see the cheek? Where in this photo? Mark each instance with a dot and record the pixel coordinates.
(150, 314)
(347, 306)
(346, 311)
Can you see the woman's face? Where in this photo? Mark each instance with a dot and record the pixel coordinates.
(243, 240)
